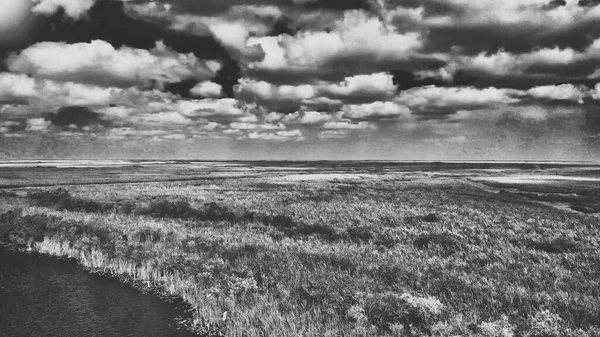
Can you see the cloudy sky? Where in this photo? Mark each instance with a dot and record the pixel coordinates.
(300, 79)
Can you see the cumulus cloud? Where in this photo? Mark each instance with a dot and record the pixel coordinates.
(375, 111)
(344, 125)
(307, 118)
(255, 126)
(207, 89)
(98, 62)
(225, 108)
(73, 8)
(359, 41)
(445, 100)
(16, 88)
(276, 136)
(51, 93)
(264, 92)
(38, 124)
(360, 88)
(232, 27)
(560, 92)
(165, 119)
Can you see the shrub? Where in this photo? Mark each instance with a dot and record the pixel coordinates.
(168, 209)
(447, 242)
(49, 198)
(431, 217)
(555, 245)
(16, 228)
(360, 234)
(214, 211)
(322, 230)
(62, 200)
(365, 234)
(7, 194)
(415, 314)
(499, 328)
(545, 324)
(148, 235)
(277, 221)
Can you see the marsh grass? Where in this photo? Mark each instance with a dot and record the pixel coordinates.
(372, 258)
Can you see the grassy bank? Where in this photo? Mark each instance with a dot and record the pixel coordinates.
(373, 257)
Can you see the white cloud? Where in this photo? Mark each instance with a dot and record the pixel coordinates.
(99, 62)
(175, 136)
(596, 94)
(353, 88)
(378, 85)
(225, 107)
(306, 118)
(252, 90)
(207, 89)
(73, 8)
(16, 87)
(53, 93)
(165, 118)
(375, 110)
(429, 97)
(255, 126)
(38, 124)
(333, 134)
(277, 136)
(560, 92)
(348, 126)
(359, 38)
(116, 112)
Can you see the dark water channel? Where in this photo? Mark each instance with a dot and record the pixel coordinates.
(42, 296)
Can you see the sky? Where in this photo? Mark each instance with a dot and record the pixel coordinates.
(300, 79)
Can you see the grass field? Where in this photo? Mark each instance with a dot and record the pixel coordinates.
(331, 249)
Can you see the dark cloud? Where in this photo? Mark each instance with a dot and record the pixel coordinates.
(76, 115)
(492, 37)
(338, 4)
(556, 3)
(228, 76)
(282, 26)
(405, 79)
(215, 7)
(181, 88)
(108, 20)
(588, 3)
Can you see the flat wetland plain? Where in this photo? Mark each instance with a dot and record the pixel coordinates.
(329, 248)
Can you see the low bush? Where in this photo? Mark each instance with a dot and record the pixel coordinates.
(213, 211)
(168, 209)
(415, 314)
(148, 235)
(366, 234)
(555, 245)
(448, 243)
(19, 229)
(431, 217)
(62, 200)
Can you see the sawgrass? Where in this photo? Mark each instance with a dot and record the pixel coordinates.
(380, 256)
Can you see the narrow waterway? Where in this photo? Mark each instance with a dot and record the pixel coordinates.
(43, 296)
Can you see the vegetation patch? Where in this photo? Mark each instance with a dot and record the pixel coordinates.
(555, 245)
(402, 313)
(62, 200)
(446, 242)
